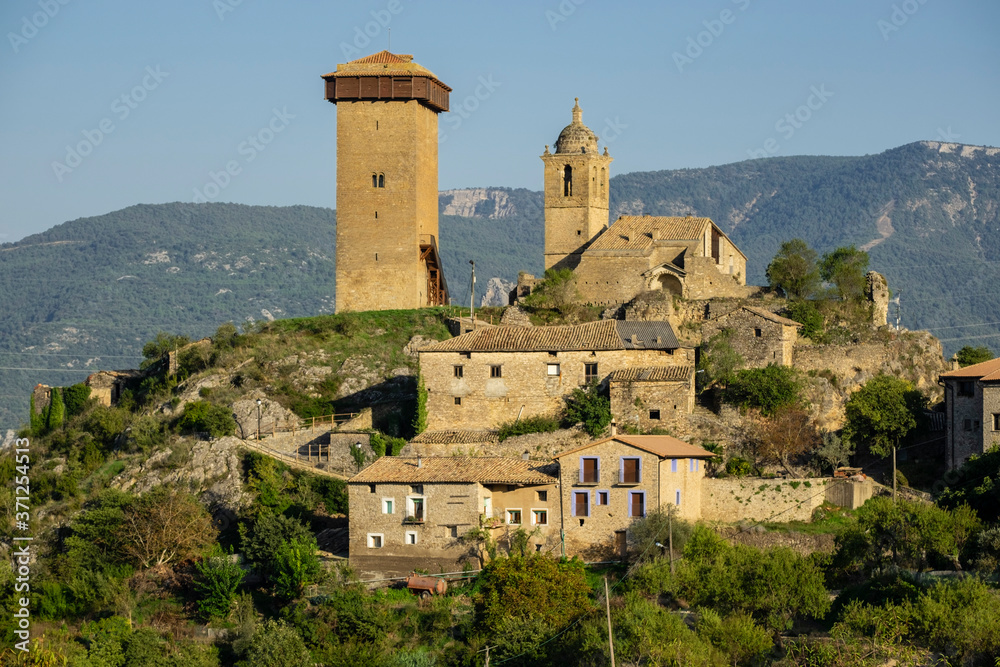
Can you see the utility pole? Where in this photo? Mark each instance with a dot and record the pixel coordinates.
(472, 295)
(894, 473)
(607, 606)
(670, 535)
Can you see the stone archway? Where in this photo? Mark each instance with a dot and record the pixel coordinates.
(669, 283)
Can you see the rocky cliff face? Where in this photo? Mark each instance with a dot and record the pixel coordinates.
(482, 202)
(497, 292)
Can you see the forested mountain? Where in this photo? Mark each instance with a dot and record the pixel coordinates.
(86, 294)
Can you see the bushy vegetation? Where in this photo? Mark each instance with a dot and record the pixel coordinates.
(589, 406)
(535, 424)
(969, 355)
(765, 389)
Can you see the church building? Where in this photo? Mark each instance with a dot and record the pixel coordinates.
(687, 256)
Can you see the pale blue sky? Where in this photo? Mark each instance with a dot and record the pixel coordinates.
(887, 73)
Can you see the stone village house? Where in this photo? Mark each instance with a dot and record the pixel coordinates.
(408, 513)
(759, 336)
(972, 410)
(497, 374)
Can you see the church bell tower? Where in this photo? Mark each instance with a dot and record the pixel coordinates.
(387, 183)
(577, 178)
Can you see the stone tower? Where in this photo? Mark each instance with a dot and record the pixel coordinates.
(577, 178)
(387, 183)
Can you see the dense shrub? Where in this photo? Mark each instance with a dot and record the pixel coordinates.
(536, 424)
(590, 407)
(766, 389)
(204, 417)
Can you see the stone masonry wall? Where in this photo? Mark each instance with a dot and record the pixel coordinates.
(758, 340)
(486, 401)
(758, 499)
(631, 403)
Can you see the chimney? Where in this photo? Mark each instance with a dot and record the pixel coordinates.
(525, 456)
(420, 464)
(614, 428)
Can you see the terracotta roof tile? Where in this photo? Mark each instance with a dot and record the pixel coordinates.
(602, 335)
(384, 57)
(455, 470)
(455, 437)
(664, 446)
(654, 374)
(987, 371)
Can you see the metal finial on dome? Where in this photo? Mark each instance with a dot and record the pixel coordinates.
(577, 111)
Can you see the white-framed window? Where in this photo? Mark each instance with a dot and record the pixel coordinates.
(539, 517)
(514, 517)
(411, 537)
(552, 370)
(388, 506)
(416, 508)
(376, 540)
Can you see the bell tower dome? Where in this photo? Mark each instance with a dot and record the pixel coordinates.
(577, 178)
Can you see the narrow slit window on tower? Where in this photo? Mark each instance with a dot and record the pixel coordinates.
(376, 215)
(381, 180)
(374, 180)
(568, 181)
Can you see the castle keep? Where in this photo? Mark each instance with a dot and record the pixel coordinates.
(387, 183)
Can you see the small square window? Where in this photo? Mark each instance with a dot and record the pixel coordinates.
(411, 537)
(538, 547)
(459, 371)
(371, 488)
(417, 489)
(540, 517)
(654, 414)
(458, 400)
(758, 333)
(553, 370)
(387, 506)
(496, 371)
(602, 497)
(467, 355)
(996, 421)
(544, 495)
(454, 531)
(966, 388)
(514, 517)
(375, 540)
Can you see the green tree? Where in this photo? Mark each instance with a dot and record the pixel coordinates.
(977, 484)
(276, 644)
(76, 397)
(793, 270)
(420, 418)
(766, 389)
(969, 355)
(217, 580)
(295, 566)
(535, 586)
(262, 539)
(159, 346)
(719, 360)
(845, 268)
(807, 314)
(881, 413)
(655, 528)
(204, 417)
(57, 410)
(590, 407)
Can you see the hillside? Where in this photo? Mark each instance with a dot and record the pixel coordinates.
(88, 293)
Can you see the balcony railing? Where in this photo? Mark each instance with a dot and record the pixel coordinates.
(589, 477)
(629, 477)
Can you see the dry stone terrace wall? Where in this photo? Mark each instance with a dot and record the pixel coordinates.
(487, 401)
(758, 499)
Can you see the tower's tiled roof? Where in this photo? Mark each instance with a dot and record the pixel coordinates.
(384, 63)
(455, 470)
(602, 335)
